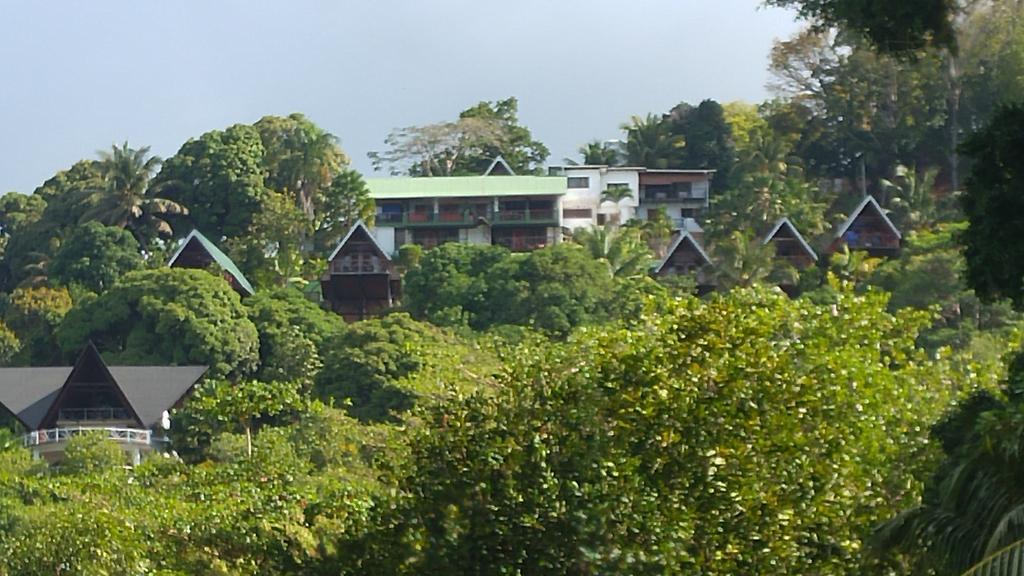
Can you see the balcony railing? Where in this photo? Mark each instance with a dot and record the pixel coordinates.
(81, 414)
(56, 435)
(532, 215)
(468, 216)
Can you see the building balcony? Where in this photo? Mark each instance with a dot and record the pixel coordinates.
(467, 219)
(51, 436)
(539, 216)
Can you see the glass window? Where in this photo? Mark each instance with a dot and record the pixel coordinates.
(579, 182)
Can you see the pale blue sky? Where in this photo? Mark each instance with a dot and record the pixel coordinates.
(78, 76)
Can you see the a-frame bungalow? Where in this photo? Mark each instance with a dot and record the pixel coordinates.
(868, 229)
(499, 167)
(196, 251)
(126, 404)
(686, 256)
(360, 280)
(790, 245)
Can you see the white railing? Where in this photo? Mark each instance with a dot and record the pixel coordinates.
(55, 435)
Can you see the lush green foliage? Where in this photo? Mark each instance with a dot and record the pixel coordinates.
(381, 368)
(993, 203)
(749, 434)
(166, 316)
(552, 289)
(95, 256)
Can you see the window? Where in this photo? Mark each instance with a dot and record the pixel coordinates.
(577, 213)
(601, 219)
(618, 186)
(579, 182)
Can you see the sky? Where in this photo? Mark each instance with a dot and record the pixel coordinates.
(76, 77)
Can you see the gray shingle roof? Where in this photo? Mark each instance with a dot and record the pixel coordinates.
(28, 392)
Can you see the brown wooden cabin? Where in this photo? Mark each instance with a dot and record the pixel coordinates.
(790, 247)
(196, 251)
(360, 280)
(125, 404)
(870, 230)
(686, 256)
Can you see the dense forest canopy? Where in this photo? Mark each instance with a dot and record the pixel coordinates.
(562, 411)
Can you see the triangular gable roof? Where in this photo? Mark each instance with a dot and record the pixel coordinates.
(499, 161)
(153, 389)
(31, 393)
(357, 225)
(685, 235)
(28, 393)
(89, 359)
(217, 255)
(868, 200)
(796, 234)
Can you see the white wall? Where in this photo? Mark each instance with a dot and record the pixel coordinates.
(385, 236)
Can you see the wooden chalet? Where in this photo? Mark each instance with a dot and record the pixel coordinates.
(360, 280)
(868, 229)
(196, 251)
(127, 404)
(790, 245)
(686, 256)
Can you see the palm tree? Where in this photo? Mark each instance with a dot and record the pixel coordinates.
(657, 231)
(615, 195)
(598, 153)
(621, 249)
(125, 198)
(650, 142)
(853, 265)
(742, 261)
(973, 507)
(909, 195)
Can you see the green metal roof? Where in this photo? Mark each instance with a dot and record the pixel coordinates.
(219, 257)
(465, 186)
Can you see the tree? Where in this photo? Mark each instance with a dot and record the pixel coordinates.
(892, 27)
(9, 345)
(517, 146)
(743, 261)
(435, 149)
(346, 201)
(554, 290)
(35, 225)
(992, 202)
(658, 434)
(380, 368)
(910, 195)
(220, 177)
(868, 112)
(452, 285)
(126, 200)
(220, 407)
(708, 138)
(300, 159)
(971, 506)
(94, 256)
(621, 249)
(34, 314)
(598, 153)
(166, 316)
(650, 142)
(293, 335)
